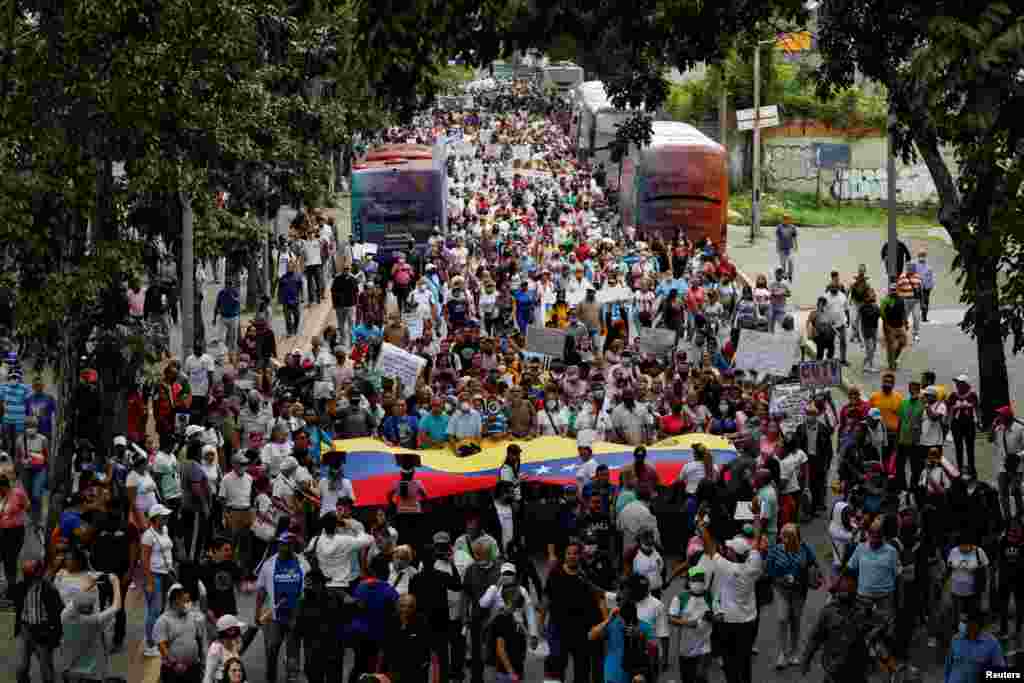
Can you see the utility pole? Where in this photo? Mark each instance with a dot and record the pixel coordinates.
(188, 277)
(755, 206)
(894, 238)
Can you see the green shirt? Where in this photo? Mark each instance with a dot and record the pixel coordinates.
(911, 412)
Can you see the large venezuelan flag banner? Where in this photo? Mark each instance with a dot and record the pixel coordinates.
(547, 460)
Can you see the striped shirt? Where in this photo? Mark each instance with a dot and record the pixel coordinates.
(15, 399)
(34, 613)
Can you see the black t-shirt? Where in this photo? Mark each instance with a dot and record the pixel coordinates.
(573, 604)
(219, 579)
(408, 651)
(1011, 558)
(597, 527)
(599, 571)
(513, 633)
(465, 351)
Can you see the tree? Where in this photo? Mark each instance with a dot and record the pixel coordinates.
(954, 76)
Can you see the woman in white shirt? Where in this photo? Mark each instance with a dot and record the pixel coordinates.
(157, 565)
(141, 491)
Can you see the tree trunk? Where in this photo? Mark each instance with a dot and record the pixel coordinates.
(994, 383)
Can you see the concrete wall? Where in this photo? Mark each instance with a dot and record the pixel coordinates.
(789, 164)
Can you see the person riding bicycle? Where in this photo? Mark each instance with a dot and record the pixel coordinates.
(842, 633)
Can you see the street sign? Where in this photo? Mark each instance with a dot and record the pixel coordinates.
(769, 118)
(830, 155)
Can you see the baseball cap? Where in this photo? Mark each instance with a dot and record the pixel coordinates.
(585, 439)
(192, 430)
(508, 568)
(158, 510)
(875, 413)
(120, 441)
(442, 537)
(228, 622)
(963, 378)
(740, 546)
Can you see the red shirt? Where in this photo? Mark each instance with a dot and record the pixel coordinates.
(726, 268)
(695, 299)
(675, 424)
(851, 414)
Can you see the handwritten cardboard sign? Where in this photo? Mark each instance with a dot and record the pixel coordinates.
(399, 364)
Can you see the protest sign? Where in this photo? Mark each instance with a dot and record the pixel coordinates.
(790, 399)
(413, 319)
(545, 340)
(774, 354)
(821, 373)
(611, 295)
(657, 341)
(399, 364)
(463, 149)
(521, 152)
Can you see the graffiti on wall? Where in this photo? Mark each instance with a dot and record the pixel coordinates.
(914, 184)
(790, 163)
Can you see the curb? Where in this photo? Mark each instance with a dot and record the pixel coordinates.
(806, 344)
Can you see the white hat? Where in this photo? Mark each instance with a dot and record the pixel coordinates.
(508, 568)
(738, 545)
(120, 441)
(192, 430)
(158, 510)
(585, 439)
(227, 622)
(963, 378)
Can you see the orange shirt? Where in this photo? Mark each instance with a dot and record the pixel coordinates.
(889, 406)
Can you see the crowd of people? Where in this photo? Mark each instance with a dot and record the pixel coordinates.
(236, 487)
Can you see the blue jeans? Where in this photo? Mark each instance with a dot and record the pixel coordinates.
(154, 606)
(35, 485)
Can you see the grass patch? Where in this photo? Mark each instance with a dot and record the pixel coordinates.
(806, 211)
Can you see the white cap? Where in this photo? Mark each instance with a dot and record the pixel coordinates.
(585, 439)
(192, 430)
(738, 545)
(963, 378)
(120, 441)
(508, 568)
(227, 622)
(158, 510)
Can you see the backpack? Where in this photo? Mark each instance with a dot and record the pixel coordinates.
(896, 313)
(823, 329)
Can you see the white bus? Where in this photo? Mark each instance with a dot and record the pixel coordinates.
(595, 120)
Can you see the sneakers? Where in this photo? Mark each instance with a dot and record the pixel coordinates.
(780, 662)
(151, 651)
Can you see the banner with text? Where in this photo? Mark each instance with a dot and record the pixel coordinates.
(821, 373)
(790, 399)
(545, 340)
(401, 365)
(774, 354)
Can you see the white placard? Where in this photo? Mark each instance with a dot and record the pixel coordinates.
(657, 341)
(401, 365)
(521, 152)
(611, 295)
(790, 399)
(464, 149)
(774, 354)
(414, 321)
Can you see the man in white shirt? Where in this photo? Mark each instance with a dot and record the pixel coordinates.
(836, 301)
(336, 551)
(199, 369)
(235, 495)
(736, 574)
(587, 469)
(313, 261)
(334, 486)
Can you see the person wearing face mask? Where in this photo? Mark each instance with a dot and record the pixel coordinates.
(227, 647)
(841, 633)
(32, 451)
(235, 496)
(477, 579)
(465, 426)
(279, 588)
(974, 654)
(255, 421)
(878, 569)
(552, 420)
(690, 612)
(334, 485)
(402, 569)
(180, 638)
(85, 652)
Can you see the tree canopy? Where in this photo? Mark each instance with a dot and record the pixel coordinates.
(955, 76)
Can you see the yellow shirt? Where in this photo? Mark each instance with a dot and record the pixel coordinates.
(890, 407)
